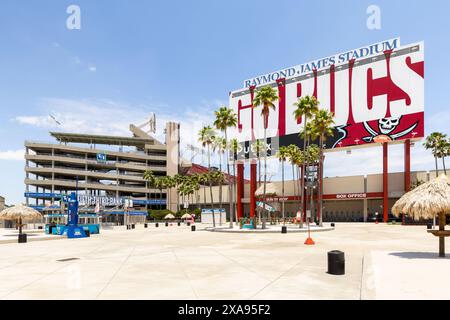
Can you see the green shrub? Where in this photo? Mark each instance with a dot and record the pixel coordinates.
(159, 214)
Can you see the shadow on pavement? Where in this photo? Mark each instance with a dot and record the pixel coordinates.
(419, 255)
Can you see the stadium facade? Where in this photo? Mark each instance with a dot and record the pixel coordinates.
(106, 171)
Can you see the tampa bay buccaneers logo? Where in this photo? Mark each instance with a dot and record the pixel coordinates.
(386, 127)
(381, 131)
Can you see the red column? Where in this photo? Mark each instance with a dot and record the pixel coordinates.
(385, 183)
(252, 189)
(240, 189)
(303, 192)
(407, 165)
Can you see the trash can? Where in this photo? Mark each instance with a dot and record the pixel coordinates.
(336, 262)
(333, 225)
(23, 238)
(128, 227)
(133, 226)
(192, 228)
(283, 229)
(429, 226)
(179, 223)
(167, 224)
(145, 225)
(157, 225)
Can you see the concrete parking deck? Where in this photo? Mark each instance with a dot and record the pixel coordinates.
(382, 262)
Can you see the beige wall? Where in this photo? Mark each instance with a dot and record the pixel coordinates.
(343, 185)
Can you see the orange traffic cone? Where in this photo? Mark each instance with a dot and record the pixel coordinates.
(310, 242)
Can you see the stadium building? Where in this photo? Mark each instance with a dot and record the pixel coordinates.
(106, 171)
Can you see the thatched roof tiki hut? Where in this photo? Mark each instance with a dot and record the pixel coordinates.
(427, 201)
(21, 214)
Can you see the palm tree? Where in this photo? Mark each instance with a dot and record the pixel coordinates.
(203, 179)
(217, 145)
(178, 181)
(258, 147)
(150, 177)
(159, 184)
(170, 184)
(234, 148)
(282, 155)
(293, 151)
(265, 97)
(206, 137)
(305, 107)
(227, 118)
(443, 151)
(434, 142)
(323, 128)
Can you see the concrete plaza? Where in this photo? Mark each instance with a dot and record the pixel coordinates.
(382, 262)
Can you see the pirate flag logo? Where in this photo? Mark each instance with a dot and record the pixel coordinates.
(386, 127)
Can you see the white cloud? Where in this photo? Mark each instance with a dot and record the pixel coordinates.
(93, 68)
(12, 155)
(101, 116)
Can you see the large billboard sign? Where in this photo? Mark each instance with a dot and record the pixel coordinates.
(376, 94)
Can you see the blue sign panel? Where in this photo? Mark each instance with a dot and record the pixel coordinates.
(101, 157)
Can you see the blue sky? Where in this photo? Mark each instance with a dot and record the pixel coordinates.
(181, 58)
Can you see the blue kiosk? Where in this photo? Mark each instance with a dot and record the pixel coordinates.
(73, 230)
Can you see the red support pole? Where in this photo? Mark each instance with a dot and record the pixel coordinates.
(252, 189)
(407, 165)
(385, 183)
(240, 189)
(303, 205)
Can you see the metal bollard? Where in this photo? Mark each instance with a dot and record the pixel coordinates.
(22, 238)
(283, 229)
(336, 262)
(192, 228)
(128, 227)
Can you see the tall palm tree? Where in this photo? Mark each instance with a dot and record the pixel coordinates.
(203, 179)
(217, 145)
(282, 155)
(305, 107)
(234, 148)
(178, 181)
(150, 177)
(265, 97)
(159, 184)
(293, 151)
(206, 138)
(323, 128)
(434, 142)
(227, 118)
(258, 147)
(443, 150)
